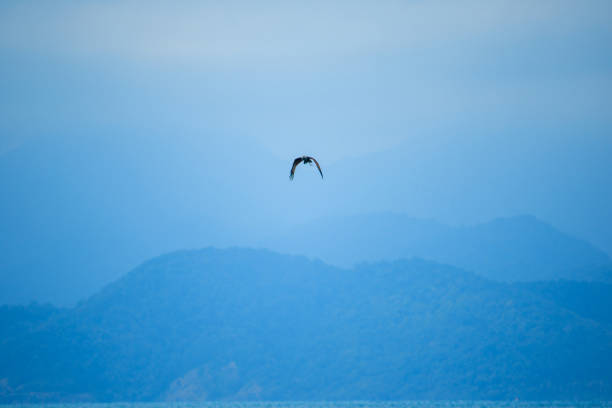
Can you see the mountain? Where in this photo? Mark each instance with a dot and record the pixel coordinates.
(505, 171)
(15, 321)
(245, 324)
(80, 210)
(519, 248)
(588, 299)
(84, 203)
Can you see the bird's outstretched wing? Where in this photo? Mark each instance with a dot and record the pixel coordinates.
(295, 163)
(317, 163)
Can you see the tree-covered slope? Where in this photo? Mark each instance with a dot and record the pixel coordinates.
(252, 324)
(16, 321)
(592, 300)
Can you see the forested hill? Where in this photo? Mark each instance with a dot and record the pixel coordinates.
(252, 324)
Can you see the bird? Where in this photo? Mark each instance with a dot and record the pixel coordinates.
(305, 160)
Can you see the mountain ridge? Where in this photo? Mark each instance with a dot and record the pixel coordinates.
(82, 206)
(506, 249)
(252, 324)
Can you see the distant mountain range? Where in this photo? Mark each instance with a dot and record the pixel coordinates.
(246, 324)
(82, 206)
(512, 249)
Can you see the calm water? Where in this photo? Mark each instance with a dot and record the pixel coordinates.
(354, 404)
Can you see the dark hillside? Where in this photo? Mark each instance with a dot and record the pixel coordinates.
(16, 321)
(251, 324)
(592, 300)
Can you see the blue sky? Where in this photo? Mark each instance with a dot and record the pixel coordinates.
(339, 78)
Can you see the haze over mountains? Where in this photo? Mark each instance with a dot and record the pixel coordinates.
(520, 248)
(256, 325)
(366, 321)
(82, 210)
(459, 246)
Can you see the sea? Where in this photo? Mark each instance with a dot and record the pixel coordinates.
(347, 404)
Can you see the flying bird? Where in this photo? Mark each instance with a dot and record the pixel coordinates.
(305, 160)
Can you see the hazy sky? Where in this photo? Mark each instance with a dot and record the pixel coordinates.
(141, 127)
(336, 78)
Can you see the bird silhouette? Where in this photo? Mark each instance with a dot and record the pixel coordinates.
(305, 160)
